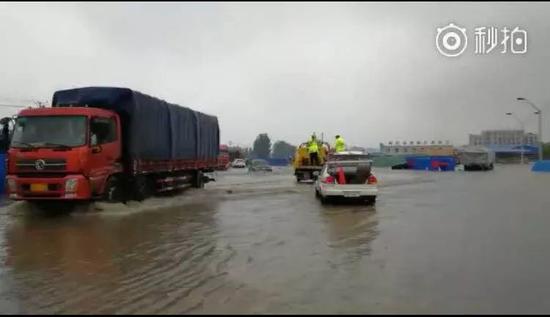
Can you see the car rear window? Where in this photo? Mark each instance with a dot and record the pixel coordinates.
(348, 167)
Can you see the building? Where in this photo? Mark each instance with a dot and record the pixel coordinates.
(432, 148)
(508, 145)
(503, 137)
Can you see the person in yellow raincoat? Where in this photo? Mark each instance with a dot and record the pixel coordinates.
(313, 149)
(340, 144)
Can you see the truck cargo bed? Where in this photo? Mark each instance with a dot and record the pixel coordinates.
(154, 132)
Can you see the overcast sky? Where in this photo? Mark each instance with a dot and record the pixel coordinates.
(368, 71)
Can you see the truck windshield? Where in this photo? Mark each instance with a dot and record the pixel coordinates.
(49, 131)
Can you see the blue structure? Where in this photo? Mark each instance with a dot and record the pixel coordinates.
(431, 163)
(514, 149)
(278, 161)
(541, 166)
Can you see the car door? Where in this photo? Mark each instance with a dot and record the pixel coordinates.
(105, 150)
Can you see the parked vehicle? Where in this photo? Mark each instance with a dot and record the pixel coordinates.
(109, 143)
(347, 178)
(402, 166)
(238, 163)
(257, 165)
(476, 158)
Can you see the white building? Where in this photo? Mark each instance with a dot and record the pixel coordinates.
(433, 148)
(503, 137)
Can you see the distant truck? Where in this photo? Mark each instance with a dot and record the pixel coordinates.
(476, 158)
(109, 143)
(303, 169)
(223, 158)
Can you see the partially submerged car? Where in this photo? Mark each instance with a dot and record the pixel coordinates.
(347, 178)
(258, 165)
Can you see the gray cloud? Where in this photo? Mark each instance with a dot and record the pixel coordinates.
(369, 71)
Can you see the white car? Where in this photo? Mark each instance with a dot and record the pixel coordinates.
(359, 181)
(238, 163)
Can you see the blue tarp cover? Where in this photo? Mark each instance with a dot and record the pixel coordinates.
(431, 163)
(152, 129)
(541, 166)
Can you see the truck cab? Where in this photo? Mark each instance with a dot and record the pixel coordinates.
(63, 153)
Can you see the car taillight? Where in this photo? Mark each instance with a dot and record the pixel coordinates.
(372, 180)
(329, 180)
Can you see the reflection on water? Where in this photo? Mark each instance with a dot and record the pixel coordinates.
(351, 230)
(92, 263)
(237, 248)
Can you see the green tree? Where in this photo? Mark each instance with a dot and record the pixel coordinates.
(262, 146)
(282, 149)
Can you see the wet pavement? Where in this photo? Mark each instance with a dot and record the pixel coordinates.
(458, 242)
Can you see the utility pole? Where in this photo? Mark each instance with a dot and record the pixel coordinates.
(538, 112)
(522, 135)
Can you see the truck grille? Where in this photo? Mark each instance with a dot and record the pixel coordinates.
(41, 165)
(41, 175)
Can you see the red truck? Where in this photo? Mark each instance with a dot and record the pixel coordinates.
(109, 143)
(223, 158)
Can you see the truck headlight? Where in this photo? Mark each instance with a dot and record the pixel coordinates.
(12, 185)
(70, 185)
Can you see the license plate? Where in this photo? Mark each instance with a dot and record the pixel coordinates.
(351, 194)
(39, 187)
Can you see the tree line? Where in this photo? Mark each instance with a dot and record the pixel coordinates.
(263, 148)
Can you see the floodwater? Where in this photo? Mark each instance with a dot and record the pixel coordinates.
(476, 242)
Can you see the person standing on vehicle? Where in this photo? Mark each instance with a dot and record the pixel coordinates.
(313, 149)
(339, 145)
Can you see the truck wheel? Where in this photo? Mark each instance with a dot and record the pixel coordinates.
(198, 182)
(298, 178)
(113, 192)
(142, 188)
(324, 200)
(317, 195)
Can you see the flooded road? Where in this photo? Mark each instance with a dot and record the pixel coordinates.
(434, 243)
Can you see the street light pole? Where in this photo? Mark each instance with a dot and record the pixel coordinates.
(522, 135)
(539, 113)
